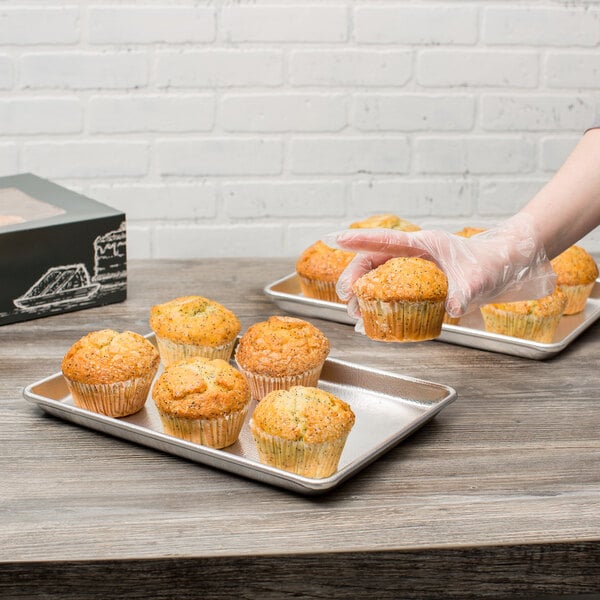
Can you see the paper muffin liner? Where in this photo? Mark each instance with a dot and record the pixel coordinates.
(577, 296)
(309, 460)
(529, 327)
(218, 432)
(321, 290)
(112, 399)
(398, 321)
(261, 385)
(171, 351)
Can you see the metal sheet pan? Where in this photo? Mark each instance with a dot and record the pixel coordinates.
(470, 331)
(388, 408)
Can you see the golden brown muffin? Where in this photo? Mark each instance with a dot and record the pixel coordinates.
(387, 221)
(576, 272)
(191, 326)
(469, 231)
(110, 372)
(466, 232)
(281, 352)
(535, 320)
(402, 300)
(302, 430)
(319, 267)
(450, 320)
(202, 400)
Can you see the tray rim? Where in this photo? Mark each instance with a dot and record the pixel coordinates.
(452, 334)
(251, 469)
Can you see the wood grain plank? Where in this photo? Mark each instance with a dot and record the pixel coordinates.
(499, 495)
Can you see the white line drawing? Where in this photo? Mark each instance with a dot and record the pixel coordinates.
(109, 258)
(68, 286)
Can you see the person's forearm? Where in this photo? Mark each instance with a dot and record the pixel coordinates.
(568, 206)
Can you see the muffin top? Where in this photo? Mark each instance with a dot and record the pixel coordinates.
(551, 305)
(469, 231)
(574, 267)
(107, 356)
(281, 346)
(200, 388)
(306, 414)
(194, 320)
(320, 261)
(404, 278)
(387, 221)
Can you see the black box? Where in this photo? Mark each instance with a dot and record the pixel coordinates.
(59, 251)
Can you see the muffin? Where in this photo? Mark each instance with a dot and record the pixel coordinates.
(280, 353)
(464, 232)
(469, 231)
(387, 221)
(302, 430)
(576, 272)
(202, 400)
(319, 267)
(109, 372)
(402, 300)
(193, 326)
(450, 320)
(535, 320)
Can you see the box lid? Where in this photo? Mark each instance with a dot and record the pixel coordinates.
(29, 202)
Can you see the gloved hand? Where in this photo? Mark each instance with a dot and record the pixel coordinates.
(504, 264)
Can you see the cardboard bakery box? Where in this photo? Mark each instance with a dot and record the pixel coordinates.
(59, 251)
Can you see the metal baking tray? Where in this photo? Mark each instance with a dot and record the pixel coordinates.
(470, 331)
(388, 408)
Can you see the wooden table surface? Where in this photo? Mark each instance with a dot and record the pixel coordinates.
(497, 497)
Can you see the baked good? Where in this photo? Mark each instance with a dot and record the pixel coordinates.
(202, 400)
(109, 372)
(319, 267)
(469, 231)
(302, 430)
(387, 221)
(464, 232)
(450, 320)
(576, 272)
(402, 300)
(279, 353)
(535, 320)
(193, 326)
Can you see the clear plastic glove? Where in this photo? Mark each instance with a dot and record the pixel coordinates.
(504, 264)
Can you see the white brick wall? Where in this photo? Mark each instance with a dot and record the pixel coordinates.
(252, 127)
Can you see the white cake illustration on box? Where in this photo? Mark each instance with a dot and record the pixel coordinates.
(59, 286)
(67, 286)
(109, 258)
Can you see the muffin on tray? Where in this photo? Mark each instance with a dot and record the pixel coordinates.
(535, 320)
(319, 267)
(202, 400)
(387, 221)
(109, 372)
(280, 353)
(467, 232)
(576, 272)
(402, 300)
(193, 326)
(302, 430)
